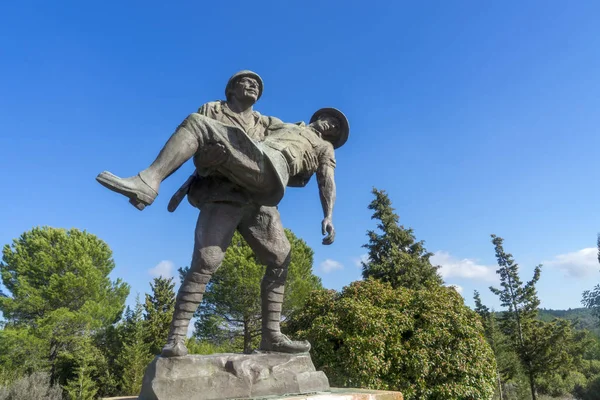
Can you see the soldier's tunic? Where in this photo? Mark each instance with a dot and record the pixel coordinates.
(260, 168)
(294, 141)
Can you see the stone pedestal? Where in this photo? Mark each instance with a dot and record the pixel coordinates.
(333, 394)
(231, 376)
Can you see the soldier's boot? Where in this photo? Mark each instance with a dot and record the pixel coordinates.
(135, 188)
(272, 338)
(188, 298)
(142, 189)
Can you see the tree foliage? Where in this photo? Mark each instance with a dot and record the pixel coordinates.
(591, 298)
(158, 313)
(397, 330)
(425, 343)
(22, 353)
(135, 355)
(589, 390)
(110, 342)
(231, 309)
(48, 269)
(83, 386)
(543, 348)
(394, 254)
(59, 289)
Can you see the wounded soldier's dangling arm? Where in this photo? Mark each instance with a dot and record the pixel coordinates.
(326, 183)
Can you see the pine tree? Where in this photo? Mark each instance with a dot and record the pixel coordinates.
(83, 385)
(505, 361)
(591, 298)
(522, 303)
(487, 320)
(158, 312)
(543, 348)
(58, 286)
(394, 254)
(136, 354)
(48, 269)
(109, 342)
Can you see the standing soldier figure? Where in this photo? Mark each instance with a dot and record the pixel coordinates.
(241, 175)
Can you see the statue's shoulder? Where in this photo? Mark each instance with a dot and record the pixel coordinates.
(326, 153)
(327, 148)
(268, 121)
(212, 107)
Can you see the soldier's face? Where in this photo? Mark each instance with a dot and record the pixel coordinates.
(328, 126)
(246, 89)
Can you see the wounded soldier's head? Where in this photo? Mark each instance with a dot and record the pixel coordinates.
(332, 124)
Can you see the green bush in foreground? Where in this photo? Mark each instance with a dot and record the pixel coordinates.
(425, 343)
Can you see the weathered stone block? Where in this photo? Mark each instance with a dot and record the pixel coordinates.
(228, 376)
(334, 394)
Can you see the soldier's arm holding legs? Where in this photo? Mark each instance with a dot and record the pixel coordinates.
(210, 155)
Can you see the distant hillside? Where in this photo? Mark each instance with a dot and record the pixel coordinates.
(583, 316)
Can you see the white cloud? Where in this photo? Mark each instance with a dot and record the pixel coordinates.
(577, 264)
(362, 259)
(458, 288)
(165, 268)
(330, 265)
(466, 268)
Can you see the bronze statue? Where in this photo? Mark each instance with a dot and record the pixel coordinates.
(244, 161)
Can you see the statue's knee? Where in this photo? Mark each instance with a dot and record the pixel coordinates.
(209, 259)
(276, 260)
(282, 257)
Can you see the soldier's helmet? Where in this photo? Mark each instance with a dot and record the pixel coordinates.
(241, 74)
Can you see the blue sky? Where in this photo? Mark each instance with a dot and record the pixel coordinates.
(476, 117)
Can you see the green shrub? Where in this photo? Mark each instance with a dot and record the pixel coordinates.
(425, 343)
(557, 385)
(33, 387)
(196, 346)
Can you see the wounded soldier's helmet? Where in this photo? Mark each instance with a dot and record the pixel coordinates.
(344, 128)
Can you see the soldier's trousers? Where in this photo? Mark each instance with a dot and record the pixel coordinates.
(261, 227)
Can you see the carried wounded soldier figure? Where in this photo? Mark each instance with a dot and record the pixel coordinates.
(289, 152)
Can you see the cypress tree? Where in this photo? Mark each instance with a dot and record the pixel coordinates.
(395, 256)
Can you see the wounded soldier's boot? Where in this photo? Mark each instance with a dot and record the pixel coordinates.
(143, 188)
(140, 194)
(281, 343)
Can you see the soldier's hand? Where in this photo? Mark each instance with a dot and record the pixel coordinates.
(327, 228)
(310, 161)
(211, 155)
